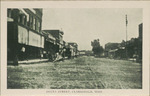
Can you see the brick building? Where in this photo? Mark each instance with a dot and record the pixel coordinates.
(25, 39)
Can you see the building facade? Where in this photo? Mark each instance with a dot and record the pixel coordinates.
(50, 46)
(25, 39)
(110, 49)
(58, 35)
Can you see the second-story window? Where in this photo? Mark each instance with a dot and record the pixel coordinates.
(39, 26)
(31, 21)
(25, 20)
(34, 24)
(20, 18)
(9, 12)
(28, 20)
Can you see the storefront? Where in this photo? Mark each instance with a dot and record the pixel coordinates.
(24, 44)
(24, 37)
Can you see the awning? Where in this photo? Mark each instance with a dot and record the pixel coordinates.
(10, 19)
(50, 40)
(51, 37)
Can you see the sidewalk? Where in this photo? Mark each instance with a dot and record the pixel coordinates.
(35, 61)
(29, 61)
(32, 61)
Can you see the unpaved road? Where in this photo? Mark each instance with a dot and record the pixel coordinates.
(79, 73)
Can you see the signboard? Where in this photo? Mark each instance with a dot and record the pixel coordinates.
(36, 40)
(22, 35)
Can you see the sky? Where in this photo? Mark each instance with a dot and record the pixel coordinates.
(83, 25)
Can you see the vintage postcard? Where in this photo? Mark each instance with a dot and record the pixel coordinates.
(75, 48)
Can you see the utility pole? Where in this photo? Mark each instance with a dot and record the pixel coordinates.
(126, 37)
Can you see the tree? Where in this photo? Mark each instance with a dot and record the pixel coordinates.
(96, 48)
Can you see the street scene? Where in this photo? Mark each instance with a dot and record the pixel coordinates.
(85, 72)
(79, 48)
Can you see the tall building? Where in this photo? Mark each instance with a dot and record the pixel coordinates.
(140, 42)
(25, 39)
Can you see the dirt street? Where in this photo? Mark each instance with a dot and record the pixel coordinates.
(79, 73)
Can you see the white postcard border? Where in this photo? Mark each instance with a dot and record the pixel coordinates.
(77, 4)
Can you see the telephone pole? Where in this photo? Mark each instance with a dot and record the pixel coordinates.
(126, 37)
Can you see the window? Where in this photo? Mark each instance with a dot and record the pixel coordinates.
(37, 25)
(23, 17)
(34, 23)
(31, 21)
(25, 20)
(20, 18)
(28, 20)
(9, 11)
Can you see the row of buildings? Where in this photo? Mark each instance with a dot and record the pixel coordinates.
(130, 49)
(26, 39)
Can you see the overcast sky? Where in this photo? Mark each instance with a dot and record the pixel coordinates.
(83, 25)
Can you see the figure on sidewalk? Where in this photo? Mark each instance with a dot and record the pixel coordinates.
(23, 54)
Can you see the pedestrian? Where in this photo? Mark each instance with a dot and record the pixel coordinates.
(23, 55)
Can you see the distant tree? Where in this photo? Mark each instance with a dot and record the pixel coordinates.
(96, 48)
(132, 46)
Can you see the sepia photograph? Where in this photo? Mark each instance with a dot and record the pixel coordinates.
(75, 49)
